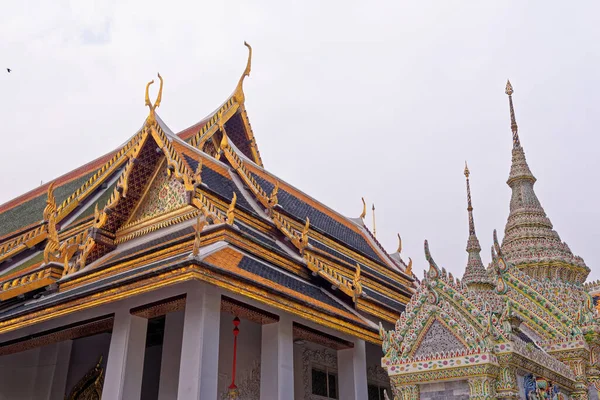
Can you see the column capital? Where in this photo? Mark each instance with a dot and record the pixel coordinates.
(506, 385)
(482, 388)
(406, 392)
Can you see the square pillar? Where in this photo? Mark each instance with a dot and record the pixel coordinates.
(171, 356)
(352, 372)
(125, 364)
(199, 365)
(277, 360)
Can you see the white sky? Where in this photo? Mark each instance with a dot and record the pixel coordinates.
(347, 99)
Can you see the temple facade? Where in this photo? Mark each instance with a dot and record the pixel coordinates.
(178, 267)
(525, 327)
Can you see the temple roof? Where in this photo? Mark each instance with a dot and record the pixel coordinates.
(115, 219)
(529, 239)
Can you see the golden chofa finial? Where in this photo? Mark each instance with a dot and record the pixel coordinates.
(364, 210)
(238, 95)
(151, 115)
(399, 244)
(467, 172)
(509, 88)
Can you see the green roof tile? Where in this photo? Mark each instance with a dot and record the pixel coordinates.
(31, 211)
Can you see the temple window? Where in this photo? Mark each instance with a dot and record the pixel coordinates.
(375, 391)
(324, 383)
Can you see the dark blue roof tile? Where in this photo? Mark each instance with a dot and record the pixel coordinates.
(219, 184)
(320, 220)
(264, 271)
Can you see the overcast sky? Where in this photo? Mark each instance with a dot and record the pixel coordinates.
(384, 100)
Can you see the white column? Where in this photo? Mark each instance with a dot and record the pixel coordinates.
(125, 364)
(171, 356)
(352, 372)
(199, 366)
(277, 360)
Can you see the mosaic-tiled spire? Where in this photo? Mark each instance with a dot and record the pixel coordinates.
(529, 240)
(475, 274)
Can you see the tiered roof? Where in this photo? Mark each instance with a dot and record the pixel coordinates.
(199, 204)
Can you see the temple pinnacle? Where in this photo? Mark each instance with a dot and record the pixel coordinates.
(475, 275)
(513, 121)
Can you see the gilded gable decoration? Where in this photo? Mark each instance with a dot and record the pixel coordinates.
(51, 253)
(90, 386)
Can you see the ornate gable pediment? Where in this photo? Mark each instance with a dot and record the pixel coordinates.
(438, 338)
(165, 194)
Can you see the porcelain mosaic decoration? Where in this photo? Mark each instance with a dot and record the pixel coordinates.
(527, 313)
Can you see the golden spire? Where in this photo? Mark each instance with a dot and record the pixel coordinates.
(513, 121)
(364, 211)
(374, 226)
(238, 95)
(151, 115)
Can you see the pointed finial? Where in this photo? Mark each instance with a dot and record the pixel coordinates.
(408, 270)
(239, 90)
(469, 205)
(509, 88)
(399, 244)
(496, 244)
(513, 121)
(364, 210)
(434, 271)
(151, 115)
(374, 225)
